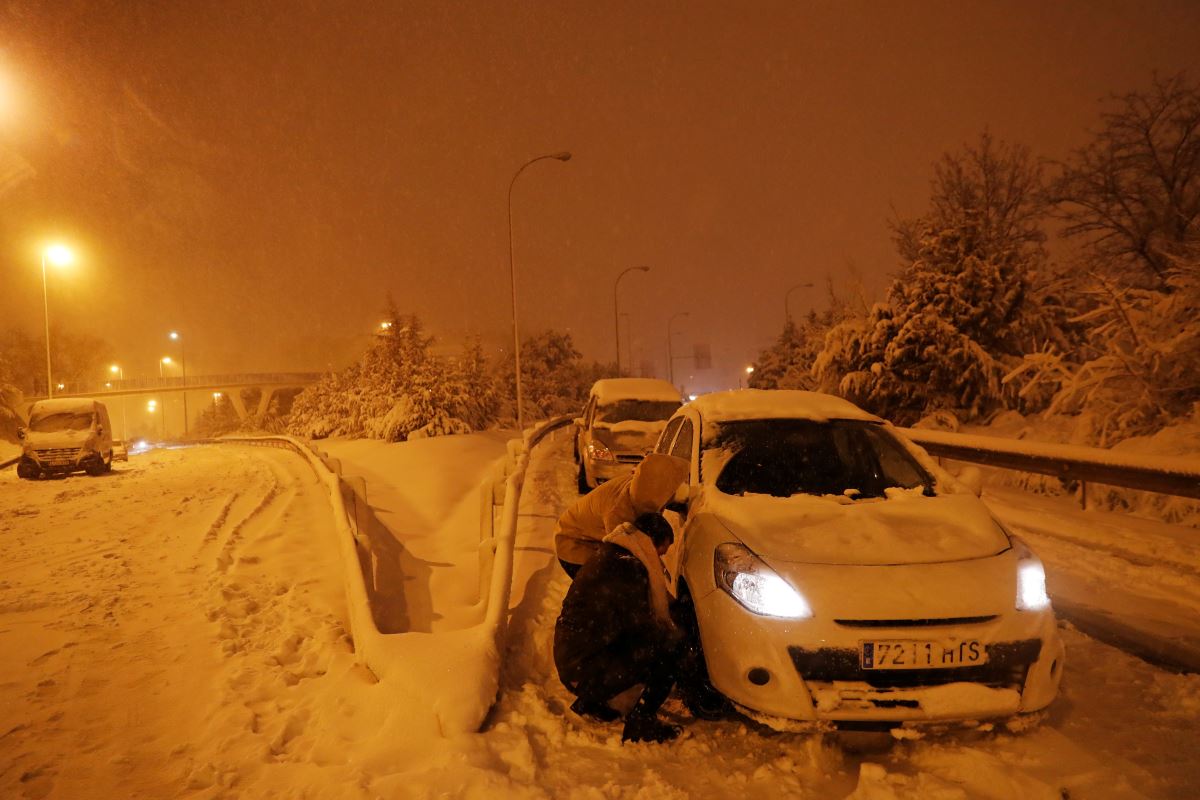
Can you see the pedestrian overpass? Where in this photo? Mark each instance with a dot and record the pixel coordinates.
(267, 382)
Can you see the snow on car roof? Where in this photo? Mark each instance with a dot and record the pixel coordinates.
(611, 390)
(743, 404)
(59, 405)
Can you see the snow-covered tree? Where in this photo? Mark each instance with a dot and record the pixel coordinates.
(1131, 196)
(555, 378)
(970, 301)
(788, 362)
(398, 391)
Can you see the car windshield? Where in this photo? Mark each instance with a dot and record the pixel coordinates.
(61, 421)
(636, 411)
(784, 457)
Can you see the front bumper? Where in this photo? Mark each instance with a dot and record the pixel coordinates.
(809, 670)
(61, 460)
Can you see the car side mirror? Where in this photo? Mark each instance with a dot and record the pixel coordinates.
(99, 430)
(20, 433)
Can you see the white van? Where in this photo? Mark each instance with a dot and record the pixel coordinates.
(65, 435)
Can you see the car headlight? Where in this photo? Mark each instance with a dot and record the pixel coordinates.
(598, 452)
(754, 585)
(1031, 579)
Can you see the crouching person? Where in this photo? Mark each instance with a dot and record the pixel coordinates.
(615, 630)
(589, 519)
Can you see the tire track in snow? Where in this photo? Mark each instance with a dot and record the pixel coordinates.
(274, 634)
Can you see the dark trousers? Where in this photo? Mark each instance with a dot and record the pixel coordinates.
(571, 569)
(619, 667)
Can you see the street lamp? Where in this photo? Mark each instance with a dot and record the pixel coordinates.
(216, 397)
(119, 372)
(164, 361)
(152, 406)
(175, 337)
(670, 350)
(749, 372)
(60, 256)
(787, 314)
(616, 314)
(512, 277)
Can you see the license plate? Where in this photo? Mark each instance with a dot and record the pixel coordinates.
(919, 654)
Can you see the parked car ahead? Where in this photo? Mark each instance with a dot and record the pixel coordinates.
(838, 575)
(66, 435)
(620, 424)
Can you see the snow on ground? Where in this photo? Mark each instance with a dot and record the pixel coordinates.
(178, 628)
(9, 450)
(1132, 581)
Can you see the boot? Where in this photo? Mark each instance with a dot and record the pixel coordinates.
(597, 711)
(643, 728)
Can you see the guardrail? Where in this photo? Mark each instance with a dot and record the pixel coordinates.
(1161, 474)
(372, 582)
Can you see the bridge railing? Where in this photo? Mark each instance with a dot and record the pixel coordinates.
(130, 385)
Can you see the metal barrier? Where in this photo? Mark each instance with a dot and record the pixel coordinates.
(1164, 475)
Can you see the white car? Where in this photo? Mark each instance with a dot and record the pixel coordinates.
(839, 576)
(622, 420)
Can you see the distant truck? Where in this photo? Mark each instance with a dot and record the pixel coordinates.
(66, 435)
(620, 424)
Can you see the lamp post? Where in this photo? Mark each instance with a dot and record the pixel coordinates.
(787, 314)
(512, 277)
(175, 337)
(749, 372)
(617, 315)
(152, 406)
(60, 256)
(119, 371)
(670, 349)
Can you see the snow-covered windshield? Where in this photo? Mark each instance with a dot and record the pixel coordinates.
(636, 411)
(784, 457)
(61, 421)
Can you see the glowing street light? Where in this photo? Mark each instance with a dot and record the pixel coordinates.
(119, 372)
(216, 397)
(512, 277)
(175, 337)
(749, 370)
(165, 361)
(59, 255)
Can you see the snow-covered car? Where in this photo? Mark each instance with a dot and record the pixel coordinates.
(66, 435)
(838, 575)
(622, 420)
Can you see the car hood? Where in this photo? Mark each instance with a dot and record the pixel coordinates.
(629, 436)
(57, 439)
(905, 528)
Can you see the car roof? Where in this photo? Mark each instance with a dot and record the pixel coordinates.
(610, 390)
(748, 404)
(60, 405)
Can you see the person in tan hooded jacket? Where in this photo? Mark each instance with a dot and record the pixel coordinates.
(584, 524)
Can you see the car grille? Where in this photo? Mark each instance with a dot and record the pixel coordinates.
(58, 454)
(913, 623)
(1006, 667)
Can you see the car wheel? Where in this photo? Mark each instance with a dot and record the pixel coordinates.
(583, 481)
(27, 471)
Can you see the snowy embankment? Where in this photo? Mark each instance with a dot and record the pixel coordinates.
(9, 451)
(179, 628)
